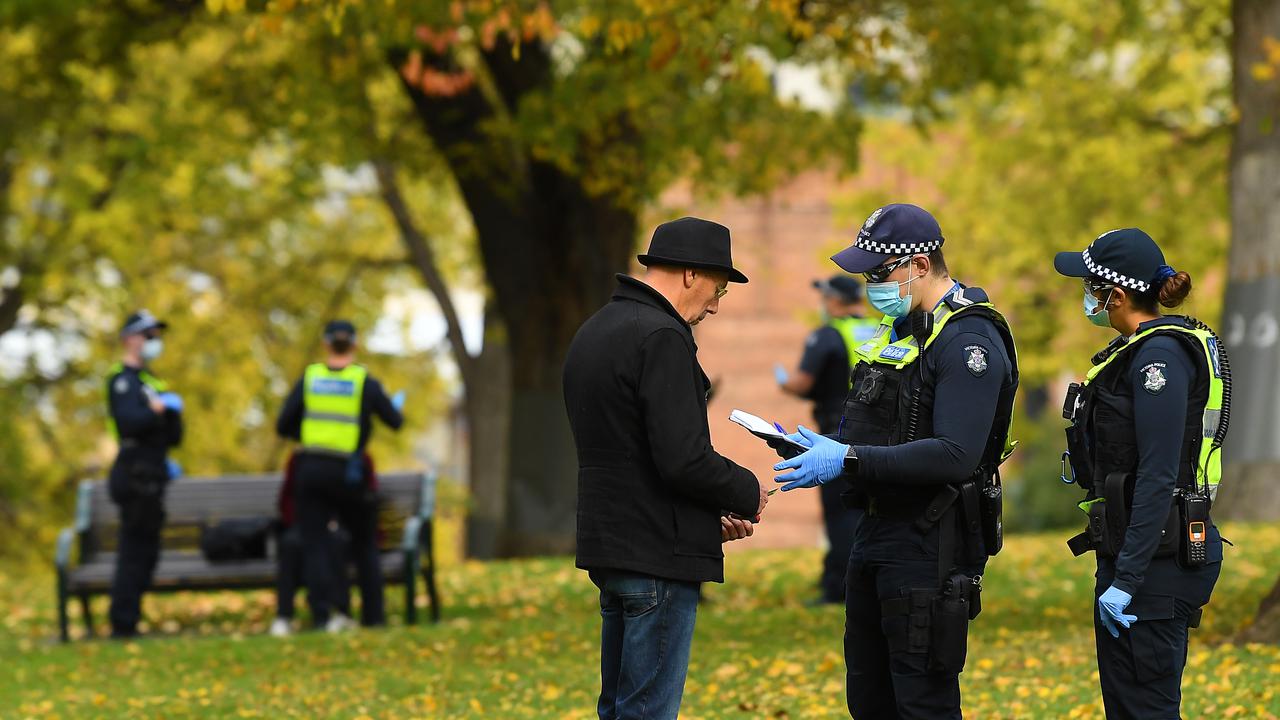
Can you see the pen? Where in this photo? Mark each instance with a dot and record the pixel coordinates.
(780, 428)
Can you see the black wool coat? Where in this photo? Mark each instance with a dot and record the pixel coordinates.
(651, 489)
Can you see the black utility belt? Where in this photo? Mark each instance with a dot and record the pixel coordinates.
(896, 508)
(1184, 536)
(974, 507)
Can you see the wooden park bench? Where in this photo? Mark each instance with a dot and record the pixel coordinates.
(406, 510)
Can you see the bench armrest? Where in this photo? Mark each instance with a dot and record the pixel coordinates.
(62, 552)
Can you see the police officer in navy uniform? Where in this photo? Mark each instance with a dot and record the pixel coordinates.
(823, 377)
(1145, 439)
(330, 412)
(924, 428)
(146, 419)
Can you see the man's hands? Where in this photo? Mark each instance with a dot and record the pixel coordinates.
(764, 499)
(732, 528)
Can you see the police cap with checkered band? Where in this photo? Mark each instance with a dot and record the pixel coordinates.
(892, 231)
(1127, 257)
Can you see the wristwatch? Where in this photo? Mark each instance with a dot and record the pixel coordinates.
(851, 461)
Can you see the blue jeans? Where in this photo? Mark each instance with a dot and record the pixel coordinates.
(647, 628)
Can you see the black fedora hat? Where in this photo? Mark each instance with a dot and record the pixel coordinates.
(693, 243)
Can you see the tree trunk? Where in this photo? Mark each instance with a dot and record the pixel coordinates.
(488, 405)
(550, 257)
(550, 251)
(1251, 486)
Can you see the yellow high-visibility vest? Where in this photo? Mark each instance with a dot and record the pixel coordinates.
(331, 401)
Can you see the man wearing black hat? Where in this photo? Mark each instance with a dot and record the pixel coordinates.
(146, 420)
(823, 377)
(330, 412)
(924, 429)
(655, 500)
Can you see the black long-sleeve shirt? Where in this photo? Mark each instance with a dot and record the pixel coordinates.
(373, 401)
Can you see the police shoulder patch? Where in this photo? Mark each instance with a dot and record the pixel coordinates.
(121, 385)
(975, 358)
(1153, 379)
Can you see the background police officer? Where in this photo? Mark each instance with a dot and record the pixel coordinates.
(147, 420)
(925, 424)
(1147, 427)
(823, 377)
(330, 411)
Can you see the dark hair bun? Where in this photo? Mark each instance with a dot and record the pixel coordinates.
(1175, 289)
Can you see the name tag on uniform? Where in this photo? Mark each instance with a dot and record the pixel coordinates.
(895, 352)
(329, 386)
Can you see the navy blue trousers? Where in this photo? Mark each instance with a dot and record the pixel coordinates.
(1141, 671)
(886, 678)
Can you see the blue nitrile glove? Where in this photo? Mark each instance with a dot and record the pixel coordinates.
(175, 470)
(1111, 605)
(822, 463)
(397, 400)
(780, 374)
(798, 437)
(172, 401)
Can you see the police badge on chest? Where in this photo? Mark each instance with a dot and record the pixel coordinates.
(975, 358)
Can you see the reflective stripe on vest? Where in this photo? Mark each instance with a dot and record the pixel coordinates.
(147, 379)
(901, 353)
(1209, 462)
(331, 401)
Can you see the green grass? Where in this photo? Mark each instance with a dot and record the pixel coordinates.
(519, 641)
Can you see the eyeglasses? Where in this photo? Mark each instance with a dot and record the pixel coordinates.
(1094, 287)
(722, 291)
(882, 273)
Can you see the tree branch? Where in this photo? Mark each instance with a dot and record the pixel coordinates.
(10, 303)
(424, 261)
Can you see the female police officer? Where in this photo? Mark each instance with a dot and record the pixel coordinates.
(1147, 427)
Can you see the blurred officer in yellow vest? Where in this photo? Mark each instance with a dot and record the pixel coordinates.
(330, 413)
(823, 377)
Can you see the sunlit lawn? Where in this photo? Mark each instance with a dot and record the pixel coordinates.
(519, 640)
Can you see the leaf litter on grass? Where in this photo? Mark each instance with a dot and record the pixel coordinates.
(520, 640)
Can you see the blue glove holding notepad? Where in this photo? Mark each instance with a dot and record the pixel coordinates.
(822, 463)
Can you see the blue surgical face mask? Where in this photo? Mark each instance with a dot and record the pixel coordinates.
(1097, 311)
(888, 299)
